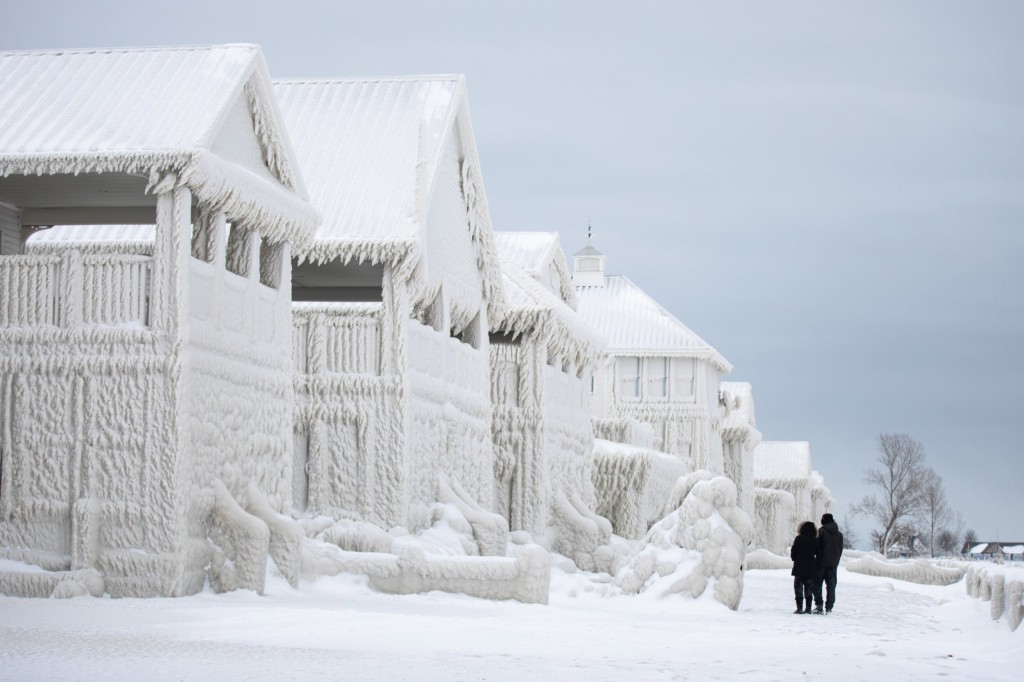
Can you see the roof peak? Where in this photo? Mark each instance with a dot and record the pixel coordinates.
(138, 48)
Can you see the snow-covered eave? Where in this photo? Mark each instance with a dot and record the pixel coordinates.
(564, 336)
(278, 213)
(481, 230)
(782, 481)
(710, 356)
(372, 251)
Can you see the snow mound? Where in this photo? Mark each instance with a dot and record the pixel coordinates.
(920, 571)
(701, 542)
(764, 560)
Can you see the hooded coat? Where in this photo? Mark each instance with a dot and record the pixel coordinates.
(802, 552)
(829, 545)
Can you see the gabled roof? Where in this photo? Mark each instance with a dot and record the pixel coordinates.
(635, 324)
(538, 254)
(150, 110)
(782, 461)
(370, 149)
(534, 309)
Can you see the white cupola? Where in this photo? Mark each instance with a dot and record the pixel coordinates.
(588, 267)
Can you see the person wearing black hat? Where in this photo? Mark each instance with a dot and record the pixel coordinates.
(829, 550)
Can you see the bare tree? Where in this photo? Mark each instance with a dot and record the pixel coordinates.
(850, 538)
(947, 541)
(970, 537)
(897, 485)
(935, 514)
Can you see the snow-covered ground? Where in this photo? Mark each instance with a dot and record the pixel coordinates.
(337, 628)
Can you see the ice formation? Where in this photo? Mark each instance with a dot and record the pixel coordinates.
(1002, 586)
(919, 571)
(632, 485)
(700, 543)
(739, 439)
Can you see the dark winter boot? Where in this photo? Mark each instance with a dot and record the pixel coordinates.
(800, 606)
(819, 611)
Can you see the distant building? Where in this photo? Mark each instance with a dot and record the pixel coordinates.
(654, 370)
(993, 551)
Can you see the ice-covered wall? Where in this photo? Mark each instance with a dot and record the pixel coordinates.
(739, 439)
(449, 419)
(774, 525)
(632, 485)
(162, 374)
(543, 460)
(350, 408)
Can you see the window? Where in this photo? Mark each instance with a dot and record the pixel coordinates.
(629, 377)
(656, 377)
(682, 378)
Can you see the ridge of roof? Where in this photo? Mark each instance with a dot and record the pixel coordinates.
(349, 80)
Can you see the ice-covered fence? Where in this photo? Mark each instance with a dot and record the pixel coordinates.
(115, 289)
(919, 571)
(1002, 586)
(30, 291)
(75, 290)
(340, 338)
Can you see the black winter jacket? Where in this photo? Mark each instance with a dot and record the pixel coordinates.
(830, 545)
(802, 554)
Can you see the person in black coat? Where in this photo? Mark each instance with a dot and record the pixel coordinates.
(805, 570)
(828, 552)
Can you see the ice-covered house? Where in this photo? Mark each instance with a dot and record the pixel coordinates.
(145, 380)
(654, 370)
(392, 301)
(542, 356)
(788, 492)
(739, 439)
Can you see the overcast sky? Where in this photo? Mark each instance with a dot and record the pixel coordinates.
(830, 193)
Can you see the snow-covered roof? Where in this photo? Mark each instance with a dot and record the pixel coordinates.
(370, 149)
(532, 308)
(782, 460)
(635, 324)
(540, 255)
(205, 113)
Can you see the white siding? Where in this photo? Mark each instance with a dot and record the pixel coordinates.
(10, 230)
